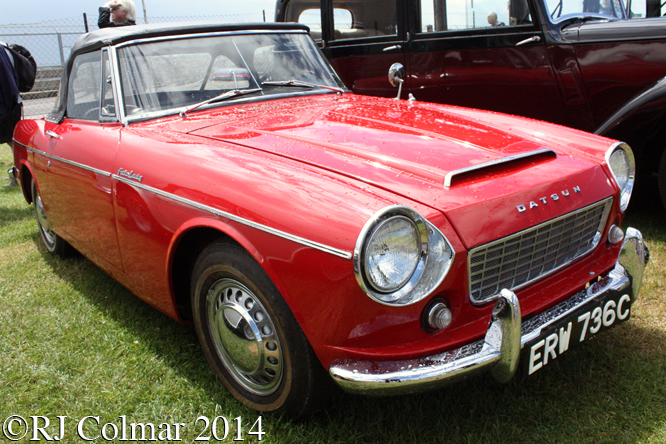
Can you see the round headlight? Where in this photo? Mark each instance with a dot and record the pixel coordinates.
(619, 163)
(392, 254)
(400, 258)
(620, 159)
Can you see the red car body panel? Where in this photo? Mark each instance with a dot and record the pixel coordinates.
(318, 168)
(593, 70)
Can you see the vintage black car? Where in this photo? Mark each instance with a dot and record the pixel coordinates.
(580, 63)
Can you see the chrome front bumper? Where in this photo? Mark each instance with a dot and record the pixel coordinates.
(499, 351)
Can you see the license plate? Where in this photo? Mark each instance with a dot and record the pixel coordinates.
(574, 329)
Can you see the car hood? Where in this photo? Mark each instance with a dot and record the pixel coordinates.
(409, 148)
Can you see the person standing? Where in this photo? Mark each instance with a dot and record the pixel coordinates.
(10, 100)
(116, 13)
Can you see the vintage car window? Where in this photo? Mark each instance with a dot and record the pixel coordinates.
(560, 10)
(460, 15)
(312, 18)
(171, 75)
(646, 8)
(364, 18)
(638, 10)
(150, 73)
(83, 90)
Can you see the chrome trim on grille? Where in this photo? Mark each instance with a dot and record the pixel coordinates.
(325, 248)
(448, 179)
(504, 269)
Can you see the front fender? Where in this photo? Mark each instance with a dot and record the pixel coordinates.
(652, 100)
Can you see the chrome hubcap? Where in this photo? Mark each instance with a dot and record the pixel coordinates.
(245, 336)
(44, 226)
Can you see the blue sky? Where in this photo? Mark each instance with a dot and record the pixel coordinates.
(32, 11)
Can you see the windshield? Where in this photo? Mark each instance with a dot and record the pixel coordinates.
(560, 10)
(170, 75)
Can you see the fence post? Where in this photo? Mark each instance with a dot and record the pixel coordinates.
(85, 21)
(62, 52)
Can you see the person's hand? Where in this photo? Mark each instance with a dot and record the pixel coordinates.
(112, 4)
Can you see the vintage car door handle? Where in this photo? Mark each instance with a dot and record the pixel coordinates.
(52, 134)
(536, 38)
(391, 48)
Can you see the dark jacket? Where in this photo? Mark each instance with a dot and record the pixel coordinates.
(10, 108)
(104, 20)
(8, 83)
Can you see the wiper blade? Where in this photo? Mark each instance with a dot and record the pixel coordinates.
(222, 97)
(300, 84)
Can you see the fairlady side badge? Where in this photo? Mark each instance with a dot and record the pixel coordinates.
(544, 200)
(129, 174)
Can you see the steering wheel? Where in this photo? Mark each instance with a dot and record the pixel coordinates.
(131, 109)
(91, 114)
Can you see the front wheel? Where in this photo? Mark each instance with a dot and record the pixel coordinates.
(53, 243)
(250, 336)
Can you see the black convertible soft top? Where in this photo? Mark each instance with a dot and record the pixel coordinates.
(112, 36)
(92, 41)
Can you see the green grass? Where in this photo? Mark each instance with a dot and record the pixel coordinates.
(74, 342)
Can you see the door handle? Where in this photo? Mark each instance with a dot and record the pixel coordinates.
(391, 48)
(52, 134)
(536, 38)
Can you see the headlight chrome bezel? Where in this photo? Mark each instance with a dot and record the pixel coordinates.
(435, 258)
(625, 193)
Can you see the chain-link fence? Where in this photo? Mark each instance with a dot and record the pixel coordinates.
(50, 43)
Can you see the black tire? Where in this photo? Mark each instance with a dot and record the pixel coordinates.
(662, 178)
(54, 244)
(250, 336)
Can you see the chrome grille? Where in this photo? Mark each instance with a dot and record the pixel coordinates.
(519, 259)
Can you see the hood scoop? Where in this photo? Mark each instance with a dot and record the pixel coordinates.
(504, 165)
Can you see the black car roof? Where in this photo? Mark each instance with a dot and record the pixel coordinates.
(111, 36)
(92, 41)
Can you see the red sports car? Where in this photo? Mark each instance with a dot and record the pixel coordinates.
(226, 176)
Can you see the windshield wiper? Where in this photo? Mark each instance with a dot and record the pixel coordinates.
(222, 97)
(300, 84)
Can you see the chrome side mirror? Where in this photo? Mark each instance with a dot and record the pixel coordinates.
(396, 76)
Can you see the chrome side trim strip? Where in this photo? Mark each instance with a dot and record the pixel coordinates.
(499, 351)
(308, 243)
(448, 179)
(68, 162)
(299, 240)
